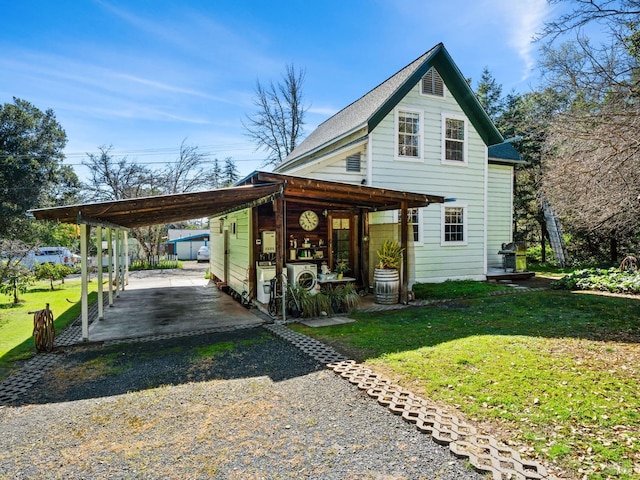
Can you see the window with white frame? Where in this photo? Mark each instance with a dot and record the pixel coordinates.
(413, 219)
(454, 225)
(414, 222)
(409, 134)
(432, 83)
(454, 133)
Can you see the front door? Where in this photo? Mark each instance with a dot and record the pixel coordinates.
(341, 241)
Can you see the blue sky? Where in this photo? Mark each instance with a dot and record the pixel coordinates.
(144, 75)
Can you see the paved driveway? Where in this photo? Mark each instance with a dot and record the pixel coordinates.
(158, 302)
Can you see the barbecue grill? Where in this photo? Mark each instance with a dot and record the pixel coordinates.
(514, 256)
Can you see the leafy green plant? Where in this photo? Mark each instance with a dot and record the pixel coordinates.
(163, 264)
(341, 267)
(608, 280)
(389, 254)
(52, 272)
(16, 280)
(343, 299)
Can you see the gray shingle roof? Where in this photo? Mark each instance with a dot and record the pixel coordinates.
(369, 109)
(357, 114)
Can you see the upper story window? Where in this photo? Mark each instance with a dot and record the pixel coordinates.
(432, 83)
(454, 139)
(409, 134)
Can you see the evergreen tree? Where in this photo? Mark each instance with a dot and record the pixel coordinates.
(230, 173)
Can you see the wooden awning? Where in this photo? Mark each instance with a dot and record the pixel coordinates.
(342, 195)
(143, 211)
(257, 188)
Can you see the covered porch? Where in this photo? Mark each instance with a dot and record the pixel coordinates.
(286, 197)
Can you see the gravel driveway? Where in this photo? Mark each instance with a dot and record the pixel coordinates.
(235, 405)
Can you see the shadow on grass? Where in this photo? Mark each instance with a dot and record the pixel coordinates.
(26, 349)
(94, 370)
(552, 314)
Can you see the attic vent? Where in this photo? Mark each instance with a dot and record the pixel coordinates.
(432, 83)
(353, 163)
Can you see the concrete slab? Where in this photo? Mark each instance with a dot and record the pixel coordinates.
(325, 321)
(169, 301)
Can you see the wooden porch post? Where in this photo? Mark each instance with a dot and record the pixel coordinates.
(125, 258)
(404, 225)
(109, 262)
(279, 210)
(84, 273)
(100, 280)
(364, 247)
(118, 263)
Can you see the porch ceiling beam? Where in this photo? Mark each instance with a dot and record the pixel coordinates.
(96, 222)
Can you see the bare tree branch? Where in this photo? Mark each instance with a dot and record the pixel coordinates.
(276, 126)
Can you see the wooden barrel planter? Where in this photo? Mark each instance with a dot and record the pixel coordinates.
(386, 286)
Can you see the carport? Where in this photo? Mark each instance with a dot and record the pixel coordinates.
(171, 302)
(259, 188)
(118, 216)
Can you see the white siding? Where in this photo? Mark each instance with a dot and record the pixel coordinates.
(334, 168)
(500, 211)
(239, 251)
(216, 249)
(469, 184)
(464, 183)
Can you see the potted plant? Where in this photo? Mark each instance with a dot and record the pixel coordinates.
(386, 278)
(341, 268)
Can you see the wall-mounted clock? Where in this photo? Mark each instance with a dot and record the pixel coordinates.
(309, 220)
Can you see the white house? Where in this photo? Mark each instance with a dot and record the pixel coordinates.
(423, 130)
(418, 143)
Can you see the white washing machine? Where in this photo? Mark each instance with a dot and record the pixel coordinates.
(304, 275)
(264, 274)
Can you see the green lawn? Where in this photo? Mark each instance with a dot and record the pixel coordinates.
(16, 324)
(555, 372)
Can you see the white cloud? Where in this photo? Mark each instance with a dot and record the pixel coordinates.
(524, 19)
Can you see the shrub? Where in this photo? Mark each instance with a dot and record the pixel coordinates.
(52, 272)
(607, 280)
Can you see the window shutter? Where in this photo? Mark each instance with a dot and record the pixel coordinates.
(432, 83)
(353, 163)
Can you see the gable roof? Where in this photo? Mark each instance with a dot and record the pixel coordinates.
(368, 111)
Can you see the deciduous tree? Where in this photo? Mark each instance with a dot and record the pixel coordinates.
(276, 126)
(591, 161)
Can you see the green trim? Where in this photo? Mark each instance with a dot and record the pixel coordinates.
(456, 84)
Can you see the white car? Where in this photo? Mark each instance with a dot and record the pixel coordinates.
(203, 254)
(55, 255)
